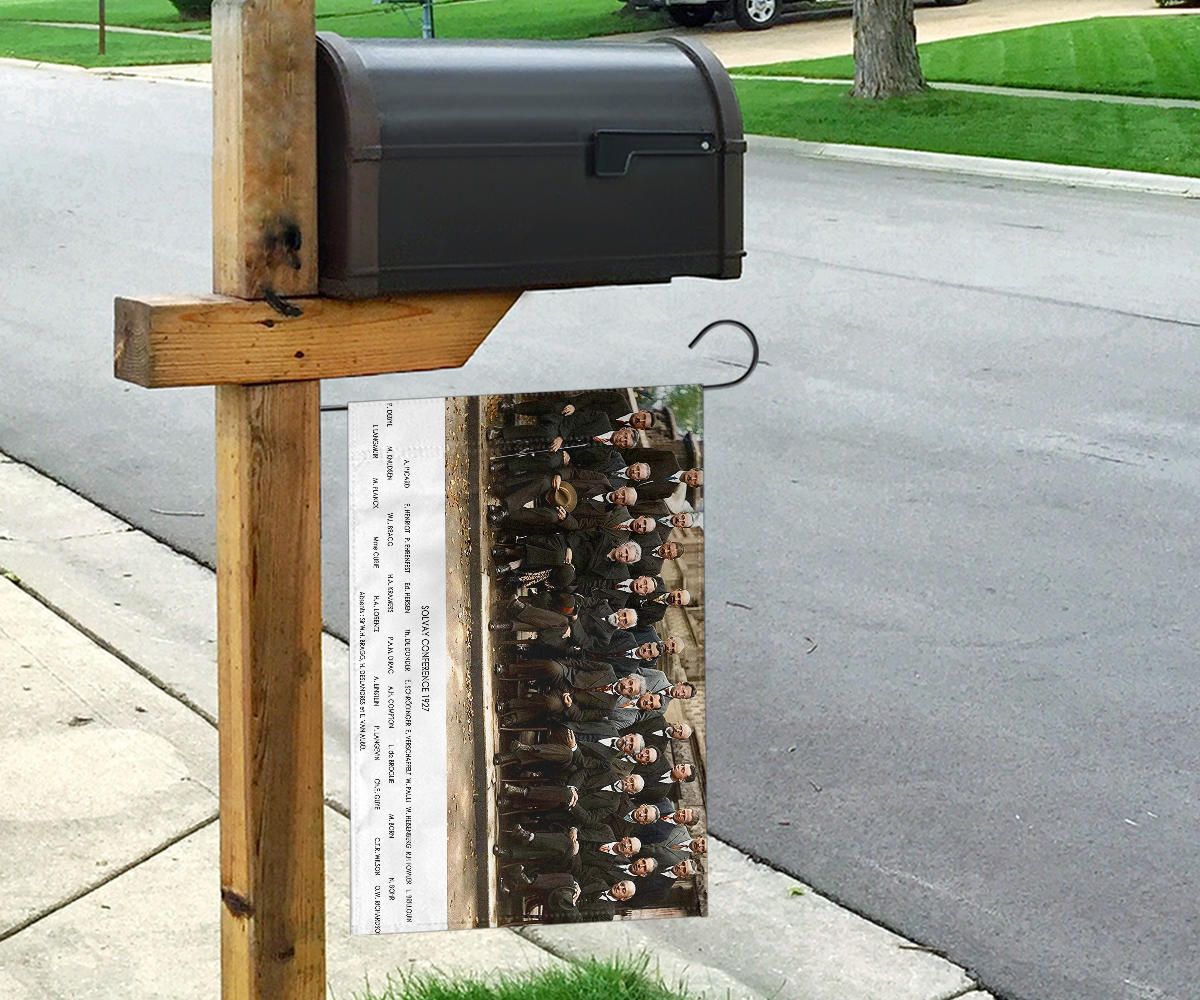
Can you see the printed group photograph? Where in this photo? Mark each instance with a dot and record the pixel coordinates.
(576, 622)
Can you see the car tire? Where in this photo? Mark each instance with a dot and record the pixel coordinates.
(692, 15)
(756, 15)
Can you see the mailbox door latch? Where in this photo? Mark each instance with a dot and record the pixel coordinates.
(614, 150)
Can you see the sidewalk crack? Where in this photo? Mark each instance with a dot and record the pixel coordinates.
(111, 876)
(109, 648)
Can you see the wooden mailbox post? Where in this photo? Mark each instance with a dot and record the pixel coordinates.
(266, 364)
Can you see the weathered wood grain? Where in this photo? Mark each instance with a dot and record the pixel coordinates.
(264, 147)
(211, 340)
(270, 712)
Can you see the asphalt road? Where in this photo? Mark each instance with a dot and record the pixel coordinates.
(968, 469)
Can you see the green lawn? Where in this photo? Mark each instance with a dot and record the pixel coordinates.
(159, 14)
(590, 981)
(1084, 133)
(559, 19)
(1156, 56)
(77, 46)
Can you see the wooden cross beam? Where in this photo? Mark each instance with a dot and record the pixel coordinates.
(212, 340)
(266, 365)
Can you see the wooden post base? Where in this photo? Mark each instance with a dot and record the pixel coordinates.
(269, 628)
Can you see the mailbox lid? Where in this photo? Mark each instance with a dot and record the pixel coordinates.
(598, 104)
(463, 92)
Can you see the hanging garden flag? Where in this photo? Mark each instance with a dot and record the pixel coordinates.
(527, 659)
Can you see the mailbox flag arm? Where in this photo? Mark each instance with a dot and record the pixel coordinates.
(612, 150)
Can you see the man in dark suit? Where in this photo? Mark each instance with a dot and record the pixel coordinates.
(615, 403)
(662, 776)
(652, 609)
(592, 902)
(655, 890)
(595, 510)
(652, 558)
(640, 653)
(670, 854)
(603, 557)
(662, 489)
(596, 794)
(522, 615)
(609, 856)
(661, 734)
(558, 423)
(564, 673)
(623, 754)
(577, 705)
(591, 629)
(553, 848)
(662, 461)
(568, 754)
(673, 821)
(582, 551)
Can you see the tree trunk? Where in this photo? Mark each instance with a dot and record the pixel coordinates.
(885, 49)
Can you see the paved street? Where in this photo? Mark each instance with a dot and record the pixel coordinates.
(971, 457)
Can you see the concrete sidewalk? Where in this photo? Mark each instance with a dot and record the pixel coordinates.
(109, 824)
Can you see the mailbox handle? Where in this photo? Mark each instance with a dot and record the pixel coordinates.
(613, 150)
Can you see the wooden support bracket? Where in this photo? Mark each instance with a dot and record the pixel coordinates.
(212, 340)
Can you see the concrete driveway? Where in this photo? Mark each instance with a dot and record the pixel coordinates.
(798, 38)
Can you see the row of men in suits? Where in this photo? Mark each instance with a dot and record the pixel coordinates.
(583, 532)
(590, 570)
(588, 443)
(606, 830)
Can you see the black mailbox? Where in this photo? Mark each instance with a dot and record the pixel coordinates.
(460, 164)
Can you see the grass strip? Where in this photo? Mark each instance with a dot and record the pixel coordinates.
(77, 46)
(1155, 56)
(1080, 133)
(561, 19)
(593, 980)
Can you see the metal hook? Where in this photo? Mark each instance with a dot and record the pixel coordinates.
(331, 408)
(753, 346)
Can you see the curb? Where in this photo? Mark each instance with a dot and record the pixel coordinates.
(985, 166)
(154, 610)
(10, 62)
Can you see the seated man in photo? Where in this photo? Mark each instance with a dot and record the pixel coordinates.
(577, 704)
(650, 563)
(682, 848)
(558, 423)
(653, 609)
(668, 783)
(590, 629)
(567, 901)
(656, 889)
(641, 654)
(659, 732)
(567, 754)
(672, 820)
(596, 796)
